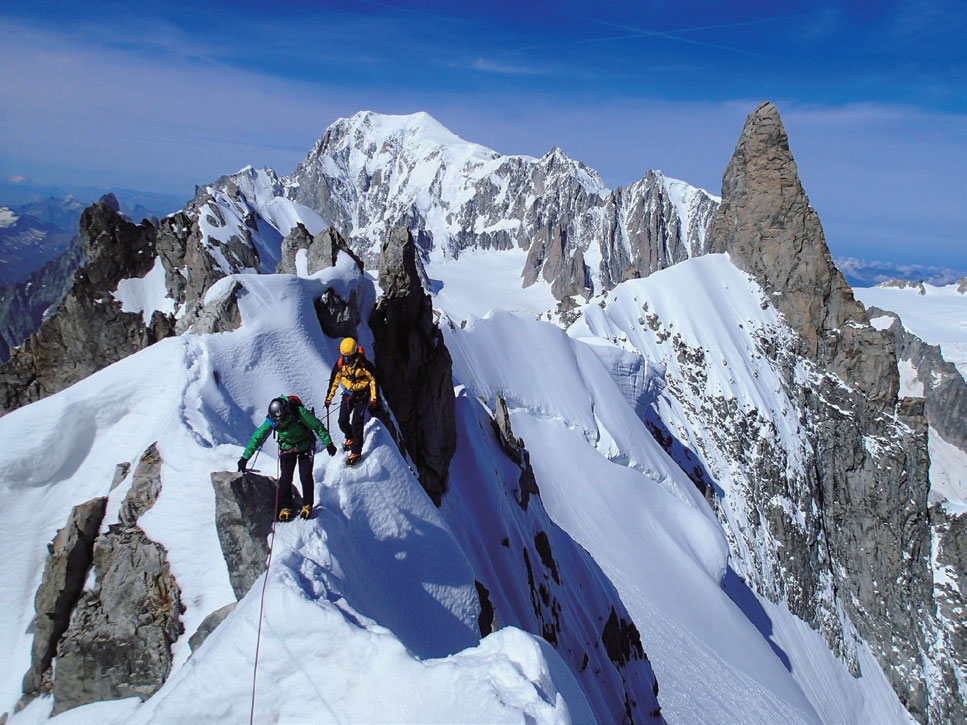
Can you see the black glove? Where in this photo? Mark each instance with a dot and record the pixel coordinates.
(331, 449)
(373, 406)
(242, 462)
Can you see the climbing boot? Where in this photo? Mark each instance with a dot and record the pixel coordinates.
(347, 444)
(285, 515)
(305, 512)
(353, 459)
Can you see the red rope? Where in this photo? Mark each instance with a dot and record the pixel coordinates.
(258, 638)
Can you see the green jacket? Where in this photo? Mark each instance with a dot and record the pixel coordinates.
(294, 433)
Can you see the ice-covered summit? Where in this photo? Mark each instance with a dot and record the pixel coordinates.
(372, 171)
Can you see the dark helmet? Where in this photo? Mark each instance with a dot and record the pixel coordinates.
(278, 410)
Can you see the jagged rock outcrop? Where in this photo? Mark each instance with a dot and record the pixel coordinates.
(220, 312)
(515, 450)
(23, 305)
(321, 250)
(950, 597)
(768, 228)
(338, 317)
(457, 196)
(487, 621)
(905, 284)
(71, 554)
(208, 625)
(940, 384)
(145, 487)
(243, 520)
(88, 331)
(120, 473)
(325, 248)
(217, 234)
(413, 363)
(860, 554)
(119, 640)
(297, 239)
(658, 222)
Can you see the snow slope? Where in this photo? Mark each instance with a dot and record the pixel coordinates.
(371, 607)
(939, 316)
(362, 602)
(721, 653)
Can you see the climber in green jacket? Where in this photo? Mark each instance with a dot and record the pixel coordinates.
(293, 426)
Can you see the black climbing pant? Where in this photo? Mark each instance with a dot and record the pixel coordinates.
(355, 406)
(287, 460)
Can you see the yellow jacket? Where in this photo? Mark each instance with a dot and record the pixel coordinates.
(354, 378)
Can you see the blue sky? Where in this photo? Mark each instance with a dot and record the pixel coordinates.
(163, 96)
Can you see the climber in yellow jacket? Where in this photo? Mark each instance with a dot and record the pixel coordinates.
(357, 376)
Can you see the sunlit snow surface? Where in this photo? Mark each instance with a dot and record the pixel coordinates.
(605, 481)
(353, 630)
(938, 317)
(378, 551)
(480, 281)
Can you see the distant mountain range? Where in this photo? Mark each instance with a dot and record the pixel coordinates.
(694, 449)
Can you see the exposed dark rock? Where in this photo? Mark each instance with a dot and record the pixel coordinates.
(198, 265)
(297, 238)
(120, 473)
(243, 520)
(944, 388)
(950, 597)
(222, 313)
(208, 625)
(119, 640)
(768, 228)
(512, 446)
(543, 546)
(23, 304)
(862, 546)
(621, 640)
(322, 250)
(65, 571)
(414, 364)
(88, 331)
(111, 202)
(338, 317)
(574, 278)
(487, 621)
(647, 234)
(145, 487)
(174, 233)
(325, 249)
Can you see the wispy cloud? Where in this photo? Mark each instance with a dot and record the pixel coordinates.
(16, 179)
(490, 66)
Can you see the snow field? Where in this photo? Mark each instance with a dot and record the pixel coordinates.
(606, 482)
(370, 612)
(482, 506)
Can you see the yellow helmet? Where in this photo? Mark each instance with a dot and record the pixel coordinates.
(347, 346)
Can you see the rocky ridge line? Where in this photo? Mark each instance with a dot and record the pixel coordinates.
(88, 331)
(862, 559)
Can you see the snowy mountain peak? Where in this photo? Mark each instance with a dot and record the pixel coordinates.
(416, 134)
